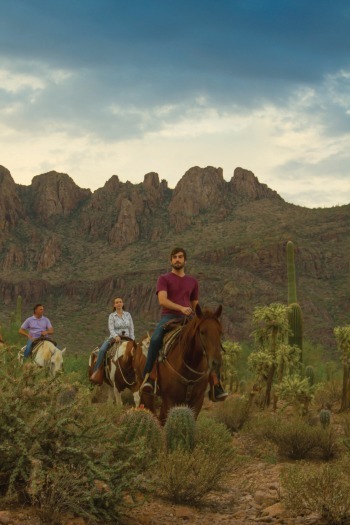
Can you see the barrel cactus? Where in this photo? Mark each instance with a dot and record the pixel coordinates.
(325, 417)
(180, 429)
(138, 423)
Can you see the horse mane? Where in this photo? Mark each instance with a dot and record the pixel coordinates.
(190, 330)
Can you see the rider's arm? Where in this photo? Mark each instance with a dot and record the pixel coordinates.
(24, 332)
(131, 329)
(48, 331)
(194, 304)
(111, 327)
(166, 303)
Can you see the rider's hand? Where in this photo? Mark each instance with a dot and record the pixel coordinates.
(117, 339)
(186, 310)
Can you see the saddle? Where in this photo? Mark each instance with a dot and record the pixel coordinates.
(38, 340)
(99, 374)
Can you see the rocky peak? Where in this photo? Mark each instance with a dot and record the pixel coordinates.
(11, 209)
(246, 186)
(151, 180)
(56, 194)
(198, 190)
(126, 229)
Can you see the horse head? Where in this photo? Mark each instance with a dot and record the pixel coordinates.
(56, 361)
(209, 332)
(48, 355)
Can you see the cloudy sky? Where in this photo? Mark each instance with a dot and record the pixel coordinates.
(94, 88)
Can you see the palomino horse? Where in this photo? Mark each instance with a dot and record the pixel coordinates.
(45, 354)
(183, 374)
(119, 369)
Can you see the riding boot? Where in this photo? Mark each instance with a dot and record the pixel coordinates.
(97, 376)
(216, 392)
(149, 385)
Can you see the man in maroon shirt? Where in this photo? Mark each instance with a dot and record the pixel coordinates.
(178, 297)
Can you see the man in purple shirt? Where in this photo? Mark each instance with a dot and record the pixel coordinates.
(34, 327)
(178, 297)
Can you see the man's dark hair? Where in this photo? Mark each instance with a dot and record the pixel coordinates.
(36, 306)
(178, 250)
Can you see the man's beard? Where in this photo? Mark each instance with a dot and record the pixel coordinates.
(178, 266)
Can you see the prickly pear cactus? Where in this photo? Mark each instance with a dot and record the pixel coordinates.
(325, 418)
(180, 429)
(139, 423)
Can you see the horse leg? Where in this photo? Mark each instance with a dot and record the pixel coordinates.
(136, 396)
(164, 409)
(147, 400)
(117, 396)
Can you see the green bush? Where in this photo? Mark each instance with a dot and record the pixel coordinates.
(233, 413)
(187, 476)
(295, 438)
(324, 489)
(47, 433)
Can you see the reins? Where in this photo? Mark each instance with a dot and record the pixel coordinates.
(120, 369)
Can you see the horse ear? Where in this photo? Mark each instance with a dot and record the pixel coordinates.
(62, 351)
(198, 311)
(218, 311)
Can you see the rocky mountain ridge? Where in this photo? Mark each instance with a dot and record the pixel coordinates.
(74, 250)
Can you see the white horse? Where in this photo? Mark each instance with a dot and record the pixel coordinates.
(46, 355)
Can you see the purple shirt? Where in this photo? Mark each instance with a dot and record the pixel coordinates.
(36, 325)
(180, 290)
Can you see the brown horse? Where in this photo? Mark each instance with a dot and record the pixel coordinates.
(119, 370)
(183, 374)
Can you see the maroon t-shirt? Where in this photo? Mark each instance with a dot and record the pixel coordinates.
(180, 290)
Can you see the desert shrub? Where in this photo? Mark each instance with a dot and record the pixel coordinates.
(233, 413)
(328, 445)
(321, 488)
(46, 433)
(294, 438)
(187, 476)
(328, 393)
(215, 438)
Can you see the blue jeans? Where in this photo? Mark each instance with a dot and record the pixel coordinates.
(102, 352)
(28, 348)
(156, 342)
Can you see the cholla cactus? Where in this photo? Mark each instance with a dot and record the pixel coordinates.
(296, 390)
(180, 429)
(229, 358)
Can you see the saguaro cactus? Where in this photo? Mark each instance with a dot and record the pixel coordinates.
(310, 374)
(295, 315)
(342, 335)
(325, 417)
